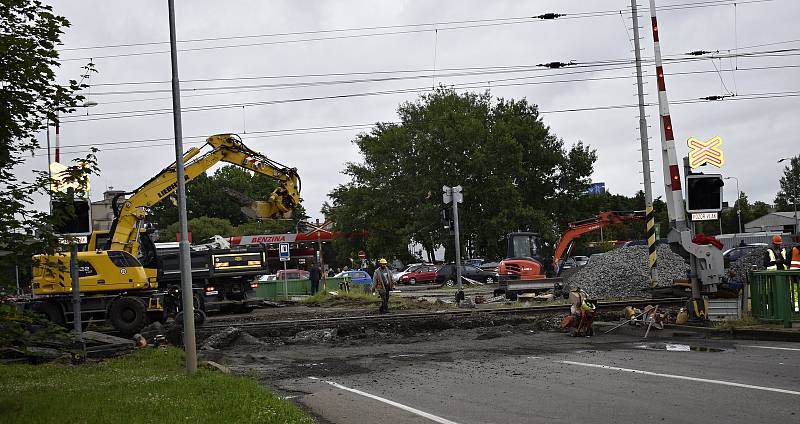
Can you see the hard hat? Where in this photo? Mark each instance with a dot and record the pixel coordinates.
(382, 261)
(777, 240)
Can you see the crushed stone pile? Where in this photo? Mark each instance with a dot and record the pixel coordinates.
(624, 272)
(739, 271)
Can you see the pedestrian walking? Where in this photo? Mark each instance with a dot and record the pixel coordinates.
(314, 274)
(382, 283)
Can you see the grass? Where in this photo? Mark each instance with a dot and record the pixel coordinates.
(148, 386)
(730, 325)
(358, 299)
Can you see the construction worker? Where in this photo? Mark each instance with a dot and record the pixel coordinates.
(382, 283)
(314, 274)
(774, 258)
(794, 264)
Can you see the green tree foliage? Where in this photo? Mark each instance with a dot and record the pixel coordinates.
(789, 193)
(516, 175)
(31, 98)
(202, 228)
(206, 197)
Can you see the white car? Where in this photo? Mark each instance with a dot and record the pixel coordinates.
(267, 277)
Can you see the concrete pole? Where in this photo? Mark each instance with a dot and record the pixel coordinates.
(185, 264)
(76, 288)
(16, 276)
(645, 145)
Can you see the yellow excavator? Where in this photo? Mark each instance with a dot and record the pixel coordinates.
(119, 272)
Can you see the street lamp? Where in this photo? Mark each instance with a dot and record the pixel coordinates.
(794, 198)
(738, 200)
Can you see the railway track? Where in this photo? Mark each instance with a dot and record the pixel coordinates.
(419, 316)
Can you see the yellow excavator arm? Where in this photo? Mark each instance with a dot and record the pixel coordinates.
(225, 148)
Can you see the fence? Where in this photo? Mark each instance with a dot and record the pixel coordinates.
(274, 290)
(774, 296)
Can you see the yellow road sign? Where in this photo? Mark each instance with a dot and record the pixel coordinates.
(58, 175)
(705, 152)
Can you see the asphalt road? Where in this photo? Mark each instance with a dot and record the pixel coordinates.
(551, 378)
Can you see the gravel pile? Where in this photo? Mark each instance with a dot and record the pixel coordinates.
(624, 272)
(739, 270)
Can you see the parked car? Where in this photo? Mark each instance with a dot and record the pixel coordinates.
(446, 275)
(644, 242)
(734, 254)
(421, 274)
(292, 274)
(267, 277)
(357, 276)
(580, 260)
(409, 268)
(476, 262)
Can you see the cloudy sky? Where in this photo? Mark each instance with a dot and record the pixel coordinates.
(298, 79)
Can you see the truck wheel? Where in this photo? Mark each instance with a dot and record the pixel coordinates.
(51, 311)
(128, 315)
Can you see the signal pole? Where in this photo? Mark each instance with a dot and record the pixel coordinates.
(454, 195)
(648, 185)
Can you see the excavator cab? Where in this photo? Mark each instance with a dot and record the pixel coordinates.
(524, 259)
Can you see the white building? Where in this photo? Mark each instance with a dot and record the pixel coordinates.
(775, 221)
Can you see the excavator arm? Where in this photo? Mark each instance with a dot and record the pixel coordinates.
(225, 148)
(578, 228)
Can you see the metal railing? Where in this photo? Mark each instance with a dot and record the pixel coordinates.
(775, 296)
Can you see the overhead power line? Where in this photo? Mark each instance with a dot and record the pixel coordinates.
(393, 30)
(348, 127)
(161, 111)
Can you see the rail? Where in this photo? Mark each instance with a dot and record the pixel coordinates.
(775, 296)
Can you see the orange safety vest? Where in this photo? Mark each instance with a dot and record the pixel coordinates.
(795, 264)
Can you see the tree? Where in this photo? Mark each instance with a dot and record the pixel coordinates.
(206, 197)
(789, 194)
(30, 99)
(516, 175)
(202, 228)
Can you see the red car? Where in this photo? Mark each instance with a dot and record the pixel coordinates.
(423, 274)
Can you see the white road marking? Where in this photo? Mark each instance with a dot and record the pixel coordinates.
(775, 348)
(416, 411)
(683, 377)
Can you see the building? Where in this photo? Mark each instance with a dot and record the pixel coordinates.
(775, 221)
(102, 212)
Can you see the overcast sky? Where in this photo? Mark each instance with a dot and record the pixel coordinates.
(756, 132)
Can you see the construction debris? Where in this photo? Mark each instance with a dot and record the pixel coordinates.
(315, 336)
(739, 271)
(222, 339)
(625, 272)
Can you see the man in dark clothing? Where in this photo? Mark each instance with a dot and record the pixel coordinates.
(314, 274)
(382, 283)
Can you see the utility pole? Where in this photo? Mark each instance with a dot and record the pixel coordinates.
(186, 270)
(738, 203)
(648, 184)
(454, 195)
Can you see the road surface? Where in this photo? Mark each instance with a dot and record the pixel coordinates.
(551, 378)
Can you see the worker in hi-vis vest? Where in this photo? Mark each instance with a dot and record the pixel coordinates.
(775, 258)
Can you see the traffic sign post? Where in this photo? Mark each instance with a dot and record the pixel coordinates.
(283, 254)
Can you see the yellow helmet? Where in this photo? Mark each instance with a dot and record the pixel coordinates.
(382, 261)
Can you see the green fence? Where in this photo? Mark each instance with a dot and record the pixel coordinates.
(774, 296)
(274, 290)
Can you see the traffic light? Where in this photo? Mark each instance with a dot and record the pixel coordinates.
(73, 218)
(704, 193)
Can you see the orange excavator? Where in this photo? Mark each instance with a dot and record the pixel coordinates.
(526, 270)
